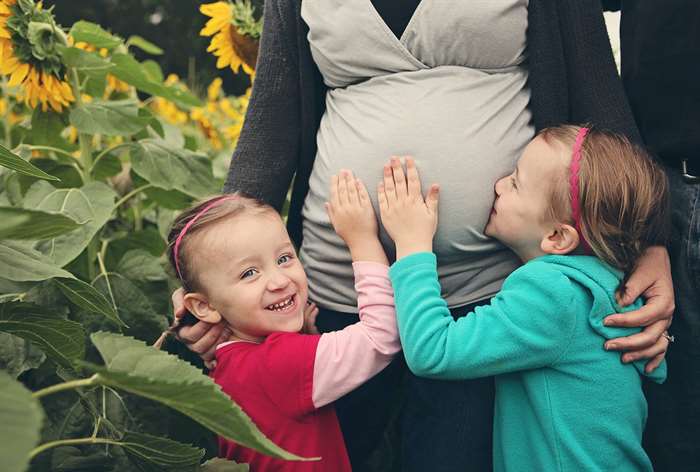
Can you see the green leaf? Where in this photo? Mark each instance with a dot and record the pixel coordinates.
(222, 465)
(13, 161)
(18, 356)
(144, 45)
(20, 263)
(21, 417)
(131, 71)
(173, 169)
(61, 340)
(88, 62)
(153, 70)
(88, 298)
(151, 453)
(108, 166)
(133, 306)
(143, 370)
(91, 204)
(47, 127)
(114, 118)
(20, 223)
(140, 265)
(94, 34)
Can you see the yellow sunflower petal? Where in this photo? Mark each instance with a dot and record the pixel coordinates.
(18, 75)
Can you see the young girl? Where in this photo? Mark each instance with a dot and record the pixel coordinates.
(580, 208)
(237, 264)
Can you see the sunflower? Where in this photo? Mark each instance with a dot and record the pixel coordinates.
(235, 34)
(29, 37)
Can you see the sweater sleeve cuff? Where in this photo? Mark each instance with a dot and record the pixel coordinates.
(410, 262)
(365, 268)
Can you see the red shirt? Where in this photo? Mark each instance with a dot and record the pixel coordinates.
(273, 383)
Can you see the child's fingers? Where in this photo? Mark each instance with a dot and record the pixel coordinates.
(389, 187)
(381, 198)
(432, 198)
(329, 210)
(334, 190)
(342, 188)
(399, 177)
(350, 184)
(362, 193)
(413, 178)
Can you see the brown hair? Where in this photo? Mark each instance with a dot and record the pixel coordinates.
(238, 204)
(623, 195)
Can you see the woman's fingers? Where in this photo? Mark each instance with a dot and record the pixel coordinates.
(343, 188)
(381, 198)
(658, 348)
(362, 193)
(202, 338)
(640, 341)
(334, 190)
(178, 299)
(654, 363)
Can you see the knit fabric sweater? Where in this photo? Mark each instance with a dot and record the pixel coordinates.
(572, 79)
(562, 401)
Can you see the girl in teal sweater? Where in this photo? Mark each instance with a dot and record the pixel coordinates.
(579, 209)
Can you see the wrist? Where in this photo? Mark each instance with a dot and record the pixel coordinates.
(407, 248)
(368, 249)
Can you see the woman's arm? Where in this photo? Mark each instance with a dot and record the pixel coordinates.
(596, 95)
(529, 324)
(267, 153)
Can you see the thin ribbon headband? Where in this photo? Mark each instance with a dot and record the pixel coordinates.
(574, 190)
(192, 221)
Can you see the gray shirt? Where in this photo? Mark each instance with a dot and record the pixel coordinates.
(452, 93)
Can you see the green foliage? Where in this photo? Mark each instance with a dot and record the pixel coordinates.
(62, 340)
(20, 223)
(132, 366)
(12, 161)
(21, 417)
(86, 197)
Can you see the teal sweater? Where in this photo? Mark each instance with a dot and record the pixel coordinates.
(562, 401)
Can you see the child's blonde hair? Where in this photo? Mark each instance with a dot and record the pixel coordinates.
(623, 195)
(195, 220)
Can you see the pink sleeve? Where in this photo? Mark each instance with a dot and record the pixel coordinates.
(346, 359)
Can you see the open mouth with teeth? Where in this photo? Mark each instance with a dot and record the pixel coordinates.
(284, 306)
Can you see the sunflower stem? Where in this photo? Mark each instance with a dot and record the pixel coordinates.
(70, 385)
(84, 139)
(70, 442)
(6, 115)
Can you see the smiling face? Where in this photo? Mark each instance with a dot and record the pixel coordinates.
(519, 216)
(251, 277)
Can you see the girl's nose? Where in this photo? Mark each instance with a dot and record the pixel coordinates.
(278, 281)
(499, 186)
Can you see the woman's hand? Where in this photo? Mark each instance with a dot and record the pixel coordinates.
(310, 313)
(652, 280)
(351, 213)
(410, 220)
(201, 338)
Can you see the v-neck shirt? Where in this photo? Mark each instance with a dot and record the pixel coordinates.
(396, 13)
(451, 92)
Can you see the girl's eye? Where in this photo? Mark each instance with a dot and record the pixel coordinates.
(248, 273)
(284, 259)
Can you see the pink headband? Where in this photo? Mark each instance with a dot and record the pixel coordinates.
(192, 221)
(573, 188)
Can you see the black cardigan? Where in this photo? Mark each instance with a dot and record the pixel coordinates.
(572, 79)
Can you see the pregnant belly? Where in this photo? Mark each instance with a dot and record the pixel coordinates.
(464, 127)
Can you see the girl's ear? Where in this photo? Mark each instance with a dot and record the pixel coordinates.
(199, 306)
(563, 239)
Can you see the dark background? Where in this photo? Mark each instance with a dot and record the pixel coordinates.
(173, 25)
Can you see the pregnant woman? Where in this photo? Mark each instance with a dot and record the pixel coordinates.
(461, 85)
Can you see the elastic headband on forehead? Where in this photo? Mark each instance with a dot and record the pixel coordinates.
(193, 220)
(574, 189)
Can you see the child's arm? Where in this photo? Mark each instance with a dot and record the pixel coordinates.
(526, 325)
(346, 359)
